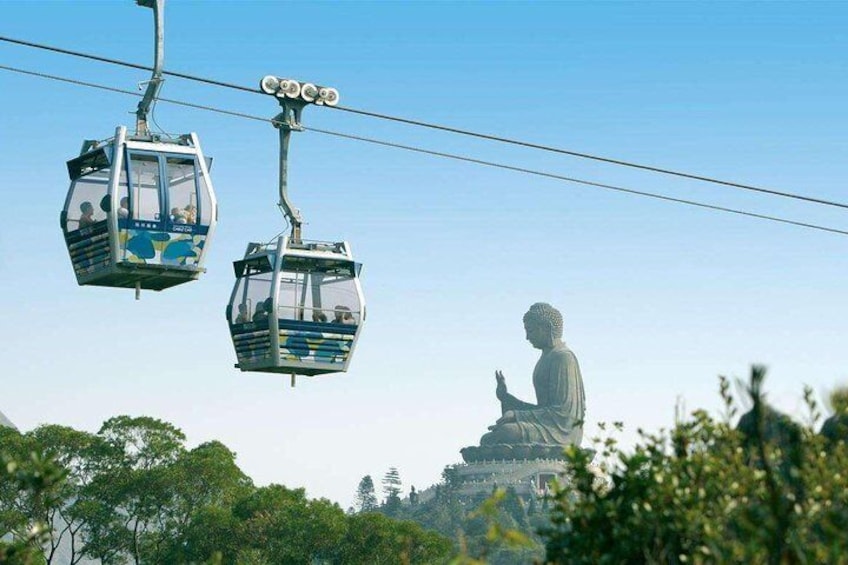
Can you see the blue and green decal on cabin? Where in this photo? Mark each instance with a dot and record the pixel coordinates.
(315, 347)
(161, 247)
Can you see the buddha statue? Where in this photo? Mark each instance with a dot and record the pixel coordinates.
(541, 430)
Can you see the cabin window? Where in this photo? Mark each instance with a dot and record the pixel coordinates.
(339, 299)
(182, 190)
(252, 302)
(86, 194)
(312, 294)
(145, 182)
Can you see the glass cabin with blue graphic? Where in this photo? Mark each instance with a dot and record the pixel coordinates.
(141, 209)
(297, 308)
(140, 212)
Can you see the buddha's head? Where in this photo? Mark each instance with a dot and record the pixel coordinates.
(543, 325)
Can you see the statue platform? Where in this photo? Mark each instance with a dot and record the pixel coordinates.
(528, 477)
(507, 452)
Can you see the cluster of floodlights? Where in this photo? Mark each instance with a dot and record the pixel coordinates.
(308, 92)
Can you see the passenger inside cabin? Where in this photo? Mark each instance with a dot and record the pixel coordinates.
(190, 213)
(124, 209)
(318, 316)
(243, 315)
(263, 309)
(177, 216)
(87, 217)
(343, 315)
(260, 315)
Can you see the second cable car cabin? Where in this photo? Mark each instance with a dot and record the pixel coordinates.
(139, 213)
(297, 308)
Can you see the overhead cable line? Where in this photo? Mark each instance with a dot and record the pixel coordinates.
(598, 158)
(577, 181)
(459, 131)
(132, 93)
(448, 155)
(126, 64)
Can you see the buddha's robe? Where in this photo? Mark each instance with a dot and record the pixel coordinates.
(557, 416)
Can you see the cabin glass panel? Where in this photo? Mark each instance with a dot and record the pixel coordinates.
(252, 302)
(182, 190)
(86, 194)
(205, 215)
(290, 302)
(318, 290)
(145, 180)
(340, 292)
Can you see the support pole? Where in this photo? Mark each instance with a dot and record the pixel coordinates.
(155, 82)
(292, 213)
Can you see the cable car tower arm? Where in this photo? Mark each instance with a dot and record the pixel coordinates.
(293, 97)
(293, 214)
(155, 82)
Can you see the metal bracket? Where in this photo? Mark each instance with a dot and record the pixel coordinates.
(289, 118)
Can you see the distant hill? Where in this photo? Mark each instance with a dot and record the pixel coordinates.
(4, 421)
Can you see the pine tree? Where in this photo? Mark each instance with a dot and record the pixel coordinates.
(392, 483)
(366, 500)
(392, 488)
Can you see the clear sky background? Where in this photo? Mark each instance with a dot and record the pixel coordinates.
(658, 298)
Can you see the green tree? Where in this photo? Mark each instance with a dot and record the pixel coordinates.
(128, 503)
(835, 428)
(366, 499)
(134, 493)
(375, 539)
(203, 483)
(29, 483)
(78, 454)
(19, 508)
(213, 531)
(706, 492)
(392, 486)
(280, 525)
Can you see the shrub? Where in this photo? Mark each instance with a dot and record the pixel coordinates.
(771, 491)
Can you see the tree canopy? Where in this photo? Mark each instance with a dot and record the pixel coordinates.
(767, 490)
(133, 492)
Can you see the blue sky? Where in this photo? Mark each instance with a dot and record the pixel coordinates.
(658, 298)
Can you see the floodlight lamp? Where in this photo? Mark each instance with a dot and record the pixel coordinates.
(309, 92)
(269, 84)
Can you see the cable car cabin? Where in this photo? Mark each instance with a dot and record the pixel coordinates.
(139, 213)
(296, 308)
